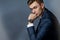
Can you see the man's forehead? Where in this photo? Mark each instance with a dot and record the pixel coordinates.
(33, 4)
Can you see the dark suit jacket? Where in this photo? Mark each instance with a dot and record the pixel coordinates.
(46, 29)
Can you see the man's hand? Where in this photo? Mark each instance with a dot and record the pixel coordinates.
(32, 17)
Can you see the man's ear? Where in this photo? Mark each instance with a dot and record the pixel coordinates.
(42, 5)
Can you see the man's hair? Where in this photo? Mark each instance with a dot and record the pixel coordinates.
(31, 1)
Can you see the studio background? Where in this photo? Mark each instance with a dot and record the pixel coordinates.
(13, 18)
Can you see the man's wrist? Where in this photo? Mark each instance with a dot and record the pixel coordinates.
(30, 21)
(30, 24)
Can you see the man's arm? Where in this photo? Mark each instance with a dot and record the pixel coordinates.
(38, 35)
(31, 32)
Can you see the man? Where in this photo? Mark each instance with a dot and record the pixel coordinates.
(46, 29)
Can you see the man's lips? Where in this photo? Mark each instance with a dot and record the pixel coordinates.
(35, 13)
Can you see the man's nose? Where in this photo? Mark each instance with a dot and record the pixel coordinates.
(33, 11)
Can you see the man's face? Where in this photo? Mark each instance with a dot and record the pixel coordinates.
(36, 8)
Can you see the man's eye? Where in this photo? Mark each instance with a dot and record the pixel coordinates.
(35, 7)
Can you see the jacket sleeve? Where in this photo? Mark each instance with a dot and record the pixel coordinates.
(38, 35)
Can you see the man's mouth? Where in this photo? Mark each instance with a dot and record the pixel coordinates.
(36, 13)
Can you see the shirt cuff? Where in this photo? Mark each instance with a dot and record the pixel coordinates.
(30, 25)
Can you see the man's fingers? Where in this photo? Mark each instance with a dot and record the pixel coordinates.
(32, 16)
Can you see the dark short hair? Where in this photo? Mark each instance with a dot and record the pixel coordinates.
(31, 1)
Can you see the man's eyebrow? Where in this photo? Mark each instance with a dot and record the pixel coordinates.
(34, 7)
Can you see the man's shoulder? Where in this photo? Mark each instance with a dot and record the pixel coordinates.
(48, 14)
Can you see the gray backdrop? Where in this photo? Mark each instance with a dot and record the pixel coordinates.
(13, 18)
